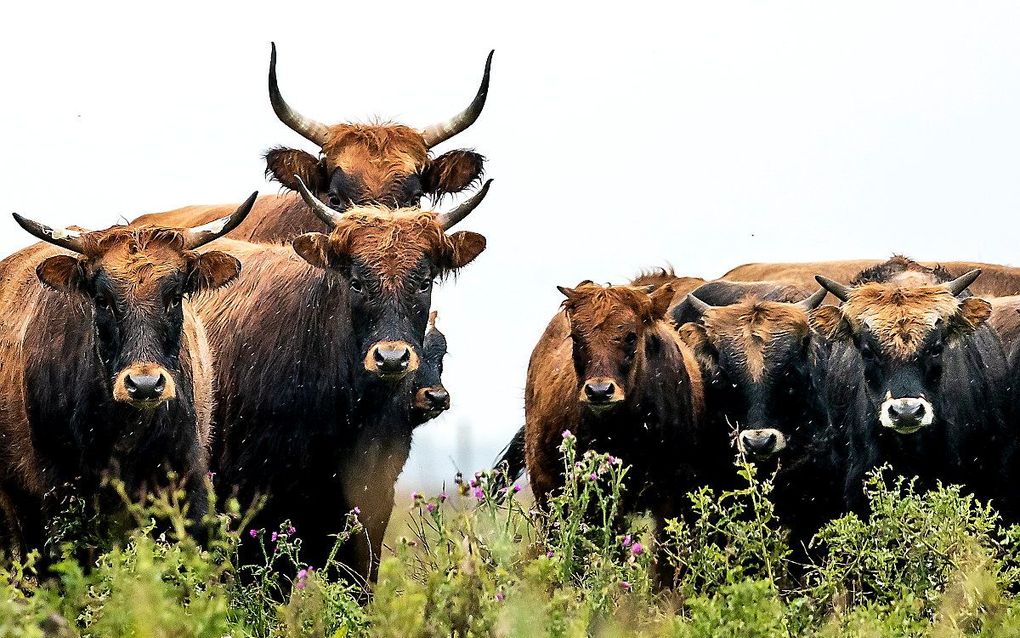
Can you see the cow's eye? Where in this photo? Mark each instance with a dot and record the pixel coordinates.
(425, 285)
(935, 351)
(174, 300)
(630, 340)
(357, 285)
(867, 351)
(104, 302)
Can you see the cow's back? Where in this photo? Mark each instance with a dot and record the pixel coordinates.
(273, 219)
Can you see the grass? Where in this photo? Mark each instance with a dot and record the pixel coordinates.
(479, 561)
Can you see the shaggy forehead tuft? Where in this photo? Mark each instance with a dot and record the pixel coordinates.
(592, 307)
(900, 318)
(377, 153)
(390, 241)
(751, 327)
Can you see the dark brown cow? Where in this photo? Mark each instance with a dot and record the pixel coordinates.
(358, 164)
(106, 370)
(319, 344)
(611, 369)
(995, 280)
(430, 395)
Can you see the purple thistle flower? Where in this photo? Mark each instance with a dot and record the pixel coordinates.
(415, 497)
(567, 435)
(637, 549)
(442, 497)
(625, 586)
(273, 537)
(473, 483)
(549, 554)
(356, 510)
(516, 488)
(500, 596)
(479, 493)
(593, 477)
(291, 531)
(627, 541)
(431, 507)
(253, 533)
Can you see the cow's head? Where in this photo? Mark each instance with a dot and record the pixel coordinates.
(389, 260)
(430, 396)
(901, 334)
(608, 327)
(757, 357)
(386, 164)
(136, 280)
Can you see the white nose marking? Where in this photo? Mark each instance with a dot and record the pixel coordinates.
(905, 404)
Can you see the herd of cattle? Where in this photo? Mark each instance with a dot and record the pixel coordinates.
(911, 365)
(287, 349)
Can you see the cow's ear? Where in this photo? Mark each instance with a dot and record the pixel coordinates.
(973, 313)
(284, 163)
(213, 270)
(313, 248)
(661, 298)
(695, 337)
(829, 322)
(465, 246)
(452, 172)
(64, 273)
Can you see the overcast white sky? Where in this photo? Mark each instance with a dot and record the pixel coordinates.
(702, 134)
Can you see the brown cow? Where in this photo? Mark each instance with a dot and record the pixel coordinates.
(319, 344)
(106, 370)
(995, 280)
(611, 369)
(358, 164)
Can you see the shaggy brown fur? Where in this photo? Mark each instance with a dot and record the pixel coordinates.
(599, 318)
(900, 317)
(39, 325)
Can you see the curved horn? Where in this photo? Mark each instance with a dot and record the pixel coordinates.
(838, 290)
(960, 284)
(450, 219)
(307, 128)
(814, 300)
(63, 237)
(432, 319)
(699, 306)
(443, 131)
(201, 235)
(329, 216)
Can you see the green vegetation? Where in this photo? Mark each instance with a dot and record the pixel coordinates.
(479, 562)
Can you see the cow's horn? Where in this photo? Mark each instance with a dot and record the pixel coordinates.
(201, 235)
(443, 131)
(450, 219)
(699, 306)
(960, 284)
(432, 320)
(309, 129)
(329, 216)
(814, 300)
(63, 237)
(840, 291)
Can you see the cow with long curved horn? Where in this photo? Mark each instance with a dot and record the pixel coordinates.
(356, 164)
(108, 373)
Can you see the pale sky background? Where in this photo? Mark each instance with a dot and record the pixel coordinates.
(700, 134)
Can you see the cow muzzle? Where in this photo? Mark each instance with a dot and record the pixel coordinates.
(391, 360)
(601, 393)
(145, 386)
(432, 401)
(906, 415)
(761, 443)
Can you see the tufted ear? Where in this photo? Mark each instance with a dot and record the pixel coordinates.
(973, 314)
(466, 245)
(661, 298)
(313, 248)
(284, 163)
(213, 270)
(63, 273)
(452, 172)
(829, 322)
(696, 338)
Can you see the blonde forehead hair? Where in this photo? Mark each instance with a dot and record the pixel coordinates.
(753, 325)
(387, 149)
(140, 256)
(899, 317)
